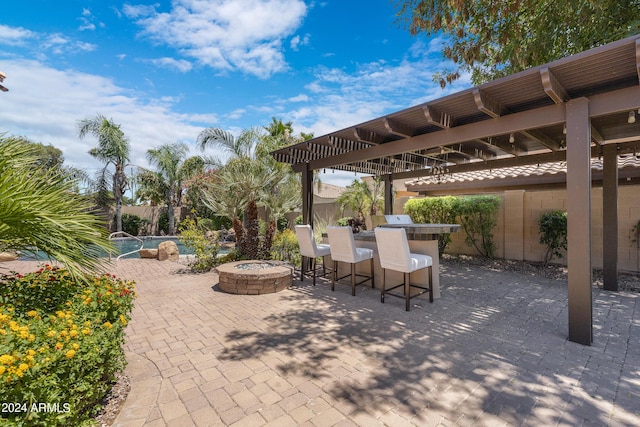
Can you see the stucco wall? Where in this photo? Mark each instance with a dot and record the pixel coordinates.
(517, 234)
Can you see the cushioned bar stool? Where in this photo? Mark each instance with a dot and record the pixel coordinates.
(393, 249)
(343, 249)
(309, 248)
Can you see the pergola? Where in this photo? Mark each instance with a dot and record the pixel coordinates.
(572, 110)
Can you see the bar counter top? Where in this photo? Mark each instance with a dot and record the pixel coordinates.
(414, 231)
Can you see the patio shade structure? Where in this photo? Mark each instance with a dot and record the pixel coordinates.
(570, 110)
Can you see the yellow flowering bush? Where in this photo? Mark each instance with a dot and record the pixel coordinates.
(58, 357)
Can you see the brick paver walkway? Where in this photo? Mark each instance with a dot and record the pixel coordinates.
(490, 352)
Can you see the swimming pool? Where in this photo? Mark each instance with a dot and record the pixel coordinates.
(127, 244)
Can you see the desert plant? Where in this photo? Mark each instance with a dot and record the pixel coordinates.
(478, 216)
(285, 247)
(203, 242)
(437, 210)
(40, 211)
(553, 233)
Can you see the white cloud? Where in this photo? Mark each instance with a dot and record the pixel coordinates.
(14, 36)
(45, 104)
(299, 98)
(236, 114)
(345, 98)
(225, 34)
(174, 64)
(42, 43)
(298, 41)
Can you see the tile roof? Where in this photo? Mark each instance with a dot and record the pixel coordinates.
(543, 169)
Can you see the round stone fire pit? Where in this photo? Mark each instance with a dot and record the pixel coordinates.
(254, 277)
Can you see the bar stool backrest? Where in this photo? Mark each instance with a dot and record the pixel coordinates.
(307, 243)
(343, 246)
(393, 249)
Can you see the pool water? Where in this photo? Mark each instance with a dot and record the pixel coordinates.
(126, 244)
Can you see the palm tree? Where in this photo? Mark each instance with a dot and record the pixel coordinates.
(113, 149)
(41, 211)
(244, 146)
(359, 196)
(249, 178)
(173, 169)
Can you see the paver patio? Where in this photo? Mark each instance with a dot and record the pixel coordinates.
(492, 351)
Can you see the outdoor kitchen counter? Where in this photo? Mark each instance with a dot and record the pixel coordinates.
(423, 239)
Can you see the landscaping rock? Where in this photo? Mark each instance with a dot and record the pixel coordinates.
(8, 256)
(168, 251)
(149, 253)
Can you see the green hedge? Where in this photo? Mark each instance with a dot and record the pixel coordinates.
(60, 345)
(434, 210)
(553, 233)
(478, 215)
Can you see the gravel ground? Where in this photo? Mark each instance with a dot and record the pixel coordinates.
(113, 401)
(628, 281)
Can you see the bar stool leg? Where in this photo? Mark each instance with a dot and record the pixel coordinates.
(384, 278)
(407, 292)
(302, 268)
(334, 275)
(373, 284)
(313, 266)
(430, 284)
(353, 279)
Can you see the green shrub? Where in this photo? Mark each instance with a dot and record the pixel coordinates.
(343, 222)
(285, 247)
(203, 242)
(163, 223)
(131, 223)
(478, 216)
(298, 220)
(61, 344)
(434, 210)
(220, 221)
(553, 233)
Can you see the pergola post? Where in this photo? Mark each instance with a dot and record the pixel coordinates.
(388, 194)
(307, 196)
(307, 211)
(579, 221)
(610, 218)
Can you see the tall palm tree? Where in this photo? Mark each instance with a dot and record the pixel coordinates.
(243, 146)
(113, 149)
(39, 210)
(173, 168)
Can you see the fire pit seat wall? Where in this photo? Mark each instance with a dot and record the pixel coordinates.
(234, 280)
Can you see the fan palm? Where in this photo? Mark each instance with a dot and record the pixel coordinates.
(173, 168)
(113, 149)
(40, 211)
(247, 178)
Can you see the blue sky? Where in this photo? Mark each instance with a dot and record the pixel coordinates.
(166, 70)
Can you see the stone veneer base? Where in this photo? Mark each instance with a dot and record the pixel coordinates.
(253, 282)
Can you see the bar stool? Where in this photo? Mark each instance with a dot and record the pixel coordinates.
(393, 249)
(309, 248)
(343, 249)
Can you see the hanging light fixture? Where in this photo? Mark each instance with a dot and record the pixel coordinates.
(632, 117)
(564, 129)
(512, 139)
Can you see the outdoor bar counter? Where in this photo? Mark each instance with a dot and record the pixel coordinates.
(423, 239)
